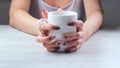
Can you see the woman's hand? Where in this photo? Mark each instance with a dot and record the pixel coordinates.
(46, 39)
(74, 40)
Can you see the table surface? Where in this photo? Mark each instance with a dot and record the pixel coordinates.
(20, 50)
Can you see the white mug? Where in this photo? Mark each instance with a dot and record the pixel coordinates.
(61, 19)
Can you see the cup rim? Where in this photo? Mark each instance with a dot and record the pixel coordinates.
(66, 13)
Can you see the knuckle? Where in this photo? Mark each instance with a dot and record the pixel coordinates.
(49, 26)
(40, 35)
(38, 39)
(80, 22)
(73, 49)
(45, 46)
(77, 42)
(78, 35)
(80, 41)
(47, 39)
(44, 26)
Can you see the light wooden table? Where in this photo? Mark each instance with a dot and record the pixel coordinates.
(20, 50)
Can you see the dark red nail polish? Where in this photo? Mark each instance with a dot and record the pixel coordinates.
(51, 38)
(57, 48)
(58, 43)
(70, 24)
(56, 28)
(64, 43)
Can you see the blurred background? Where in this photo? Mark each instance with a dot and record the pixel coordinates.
(111, 12)
(4, 8)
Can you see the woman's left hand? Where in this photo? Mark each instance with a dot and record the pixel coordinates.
(74, 40)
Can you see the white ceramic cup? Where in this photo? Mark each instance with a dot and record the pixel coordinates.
(61, 19)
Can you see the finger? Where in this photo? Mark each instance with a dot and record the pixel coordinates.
(45, 39)
(43, 28)
(40, 35)
(81, 41)
(73, 43)
(46, 26)
(71, 36)
(49, 45)
(53, 49)
(78, 24)
(71, 49)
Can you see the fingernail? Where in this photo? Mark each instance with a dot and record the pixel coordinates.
(58, 43)
(70, 24)
(64, 43)
(57, 48)
(51, 38)
(65, 37)
(56, 28)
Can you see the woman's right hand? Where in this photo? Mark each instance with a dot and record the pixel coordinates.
(47, 40)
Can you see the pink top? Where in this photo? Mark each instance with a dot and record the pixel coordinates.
(37, 5)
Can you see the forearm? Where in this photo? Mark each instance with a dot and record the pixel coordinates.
(92, 23)
(24, 22)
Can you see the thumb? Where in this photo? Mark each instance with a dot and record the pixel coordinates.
(44, 13)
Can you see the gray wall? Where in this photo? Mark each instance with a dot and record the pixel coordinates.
(111, 11)
(4, 8)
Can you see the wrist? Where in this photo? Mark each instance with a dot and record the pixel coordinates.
(86, 33)
(39, 23)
